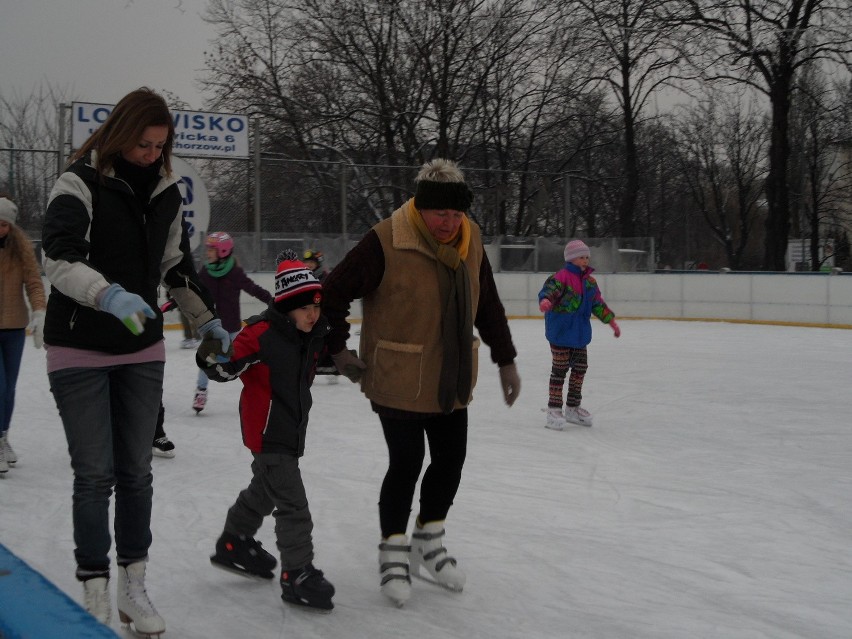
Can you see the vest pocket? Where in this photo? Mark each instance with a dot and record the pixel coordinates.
(397, 370)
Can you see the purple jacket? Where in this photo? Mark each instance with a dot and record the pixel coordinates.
(226, 294)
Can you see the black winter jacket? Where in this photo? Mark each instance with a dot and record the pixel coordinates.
(96, 232)
(276, 363)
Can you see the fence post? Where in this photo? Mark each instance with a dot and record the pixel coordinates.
(60, 148)
(343, 204)
(258, 256)
(566, 204)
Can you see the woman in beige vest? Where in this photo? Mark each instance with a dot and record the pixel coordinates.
(425, 283)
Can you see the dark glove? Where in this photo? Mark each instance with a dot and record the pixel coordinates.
(511, 383)
(130, 308)
(348, 364)
(215, 342)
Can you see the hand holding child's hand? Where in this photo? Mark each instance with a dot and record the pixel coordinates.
(545, 305)
(615, 329)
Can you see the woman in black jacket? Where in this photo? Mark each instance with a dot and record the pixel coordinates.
(112, 233)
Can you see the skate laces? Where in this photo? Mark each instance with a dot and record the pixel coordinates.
(137, 595)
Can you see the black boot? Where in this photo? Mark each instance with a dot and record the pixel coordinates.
(307, 587)
(243, 555)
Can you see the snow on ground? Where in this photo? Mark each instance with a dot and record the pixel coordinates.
(710, 499)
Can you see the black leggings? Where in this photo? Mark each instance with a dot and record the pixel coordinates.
(447, 436)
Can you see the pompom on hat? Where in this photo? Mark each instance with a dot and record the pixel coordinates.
(575, 249)
(295, 284)
(8, 210)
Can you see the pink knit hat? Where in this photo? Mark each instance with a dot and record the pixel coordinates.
(575, 249)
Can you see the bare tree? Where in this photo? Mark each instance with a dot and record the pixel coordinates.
(819, 172)
(763, 44)
(636, 54)
(724, 145)
(29, 139)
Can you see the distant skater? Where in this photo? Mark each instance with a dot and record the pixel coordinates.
(223, 276)
(568, 299)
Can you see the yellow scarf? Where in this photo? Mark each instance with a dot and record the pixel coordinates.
(458, 244)
(456, 314)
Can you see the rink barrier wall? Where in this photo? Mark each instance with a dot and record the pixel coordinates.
(796, 299)
(31, 607)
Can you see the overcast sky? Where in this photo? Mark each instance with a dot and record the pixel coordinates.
(99, 50)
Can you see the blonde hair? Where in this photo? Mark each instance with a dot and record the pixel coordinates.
(124, 127)
(440, 170)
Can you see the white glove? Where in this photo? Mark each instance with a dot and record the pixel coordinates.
(36, 327)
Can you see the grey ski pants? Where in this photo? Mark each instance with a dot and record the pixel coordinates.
(276, 485)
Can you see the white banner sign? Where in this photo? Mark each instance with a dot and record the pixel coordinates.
(196, 132)
(196, 202)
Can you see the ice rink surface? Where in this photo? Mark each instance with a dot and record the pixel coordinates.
(712, 497)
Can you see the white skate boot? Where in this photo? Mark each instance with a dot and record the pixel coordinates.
(555, 419)
(393, 566)
(96, 599)
(427, 551)
(8, 451)
(133, 602)
(578, 415)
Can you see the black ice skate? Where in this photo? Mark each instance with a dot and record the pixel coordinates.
(307, 587)
(244, 556)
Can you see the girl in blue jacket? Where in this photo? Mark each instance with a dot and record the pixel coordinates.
(568, 299)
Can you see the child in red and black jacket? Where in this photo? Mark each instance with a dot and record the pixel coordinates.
(275, 356)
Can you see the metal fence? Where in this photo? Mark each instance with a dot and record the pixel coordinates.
(525, 217)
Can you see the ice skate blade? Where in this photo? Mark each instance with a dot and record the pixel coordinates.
(428, 578)
(569, 421)
(227, 567)
(304, 605)
(131, 627)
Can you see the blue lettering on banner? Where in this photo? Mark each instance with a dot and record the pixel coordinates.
(187, 200)
(99, 115)
(201, 121)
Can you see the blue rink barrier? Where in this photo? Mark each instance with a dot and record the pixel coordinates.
(31, 607)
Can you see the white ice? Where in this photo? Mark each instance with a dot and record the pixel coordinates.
(712, 497)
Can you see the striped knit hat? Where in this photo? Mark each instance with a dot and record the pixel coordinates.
(295, 284)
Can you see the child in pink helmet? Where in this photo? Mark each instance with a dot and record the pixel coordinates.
(225, 279)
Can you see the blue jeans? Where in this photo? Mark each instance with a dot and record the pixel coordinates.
(203, 380)
(109, 415)
(11, 351)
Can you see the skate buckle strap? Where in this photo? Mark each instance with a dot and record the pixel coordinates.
(394, 547)
(386, 577)
(429, 556)
(417, 534)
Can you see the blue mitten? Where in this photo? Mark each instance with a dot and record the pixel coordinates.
(130, 308)
(215, 342)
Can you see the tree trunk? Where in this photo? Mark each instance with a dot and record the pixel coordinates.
(626, 221)
(777, 192)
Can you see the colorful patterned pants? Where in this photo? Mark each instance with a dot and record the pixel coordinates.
(575, 359)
